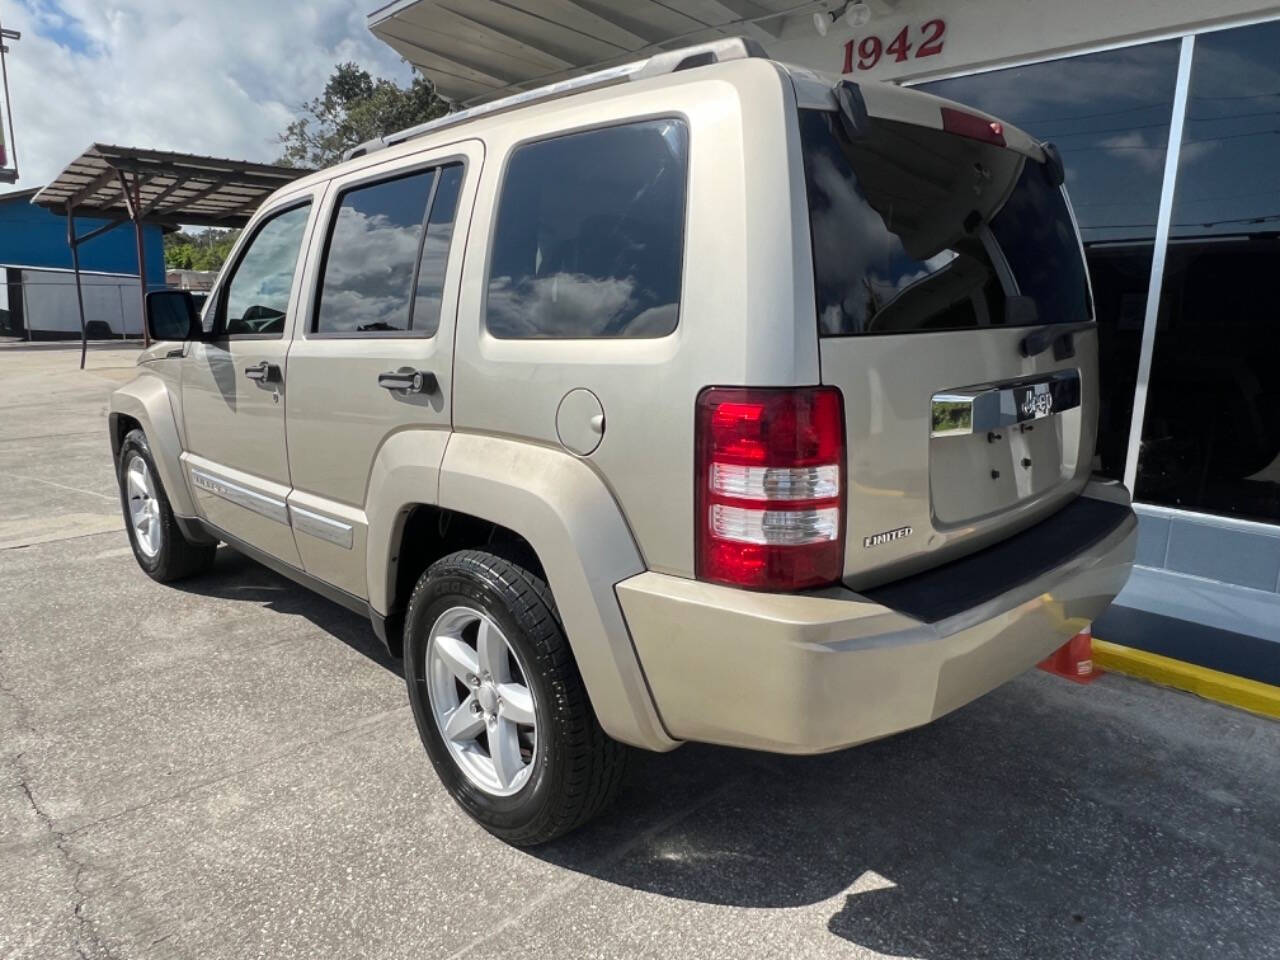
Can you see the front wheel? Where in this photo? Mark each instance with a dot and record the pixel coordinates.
(499, 702)
(158, 544)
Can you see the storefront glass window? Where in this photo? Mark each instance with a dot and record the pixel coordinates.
(1211, 437)
(1109, 114)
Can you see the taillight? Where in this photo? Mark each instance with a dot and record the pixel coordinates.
(972, 126)
(770, 487)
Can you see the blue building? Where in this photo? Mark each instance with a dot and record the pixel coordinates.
(38, 297)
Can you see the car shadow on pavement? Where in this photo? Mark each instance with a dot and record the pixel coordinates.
(237, 577)
(1043, 820)
(1011, 828)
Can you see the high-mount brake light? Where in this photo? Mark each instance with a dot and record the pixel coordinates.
(972, 126)
(770, 487)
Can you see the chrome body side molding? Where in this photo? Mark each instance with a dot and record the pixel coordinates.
(270, 507)
(321, 527)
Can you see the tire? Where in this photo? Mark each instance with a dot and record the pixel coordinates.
(160, 548)
(571, 768)
(97, 330)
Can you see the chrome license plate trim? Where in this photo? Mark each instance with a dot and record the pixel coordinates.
(965, 411)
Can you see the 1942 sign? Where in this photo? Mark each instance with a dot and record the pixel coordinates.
(864, 53)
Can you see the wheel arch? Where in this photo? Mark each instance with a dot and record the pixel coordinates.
(144, 404)
(560, 512)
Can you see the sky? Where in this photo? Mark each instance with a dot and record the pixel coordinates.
(217, 77)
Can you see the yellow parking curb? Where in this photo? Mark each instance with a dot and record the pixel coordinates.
(1251, 695)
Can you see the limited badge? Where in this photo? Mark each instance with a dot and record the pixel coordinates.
(888, 536)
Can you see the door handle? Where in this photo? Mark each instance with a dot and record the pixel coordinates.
(409, 380)
(263, 372)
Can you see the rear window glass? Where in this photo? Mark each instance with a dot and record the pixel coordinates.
(589, 240)
(915, 229)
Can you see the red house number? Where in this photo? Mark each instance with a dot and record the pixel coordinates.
(865, 53)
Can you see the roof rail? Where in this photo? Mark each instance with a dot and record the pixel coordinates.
(670, 61)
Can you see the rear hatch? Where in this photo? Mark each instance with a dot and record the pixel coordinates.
(954, 314)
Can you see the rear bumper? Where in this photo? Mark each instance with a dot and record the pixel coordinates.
(816, 672)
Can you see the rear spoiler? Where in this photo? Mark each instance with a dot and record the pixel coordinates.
(859, 102)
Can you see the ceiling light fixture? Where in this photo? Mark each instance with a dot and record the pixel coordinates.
(855, 14)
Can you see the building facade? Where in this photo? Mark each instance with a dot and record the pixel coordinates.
(1167, 115)
(1168, 119)
(38, 294)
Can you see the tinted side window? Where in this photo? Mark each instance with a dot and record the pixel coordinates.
(369, 261)
(256, 298)
(435, 251)
(590, 235)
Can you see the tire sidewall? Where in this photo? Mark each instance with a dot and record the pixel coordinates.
(456, 585)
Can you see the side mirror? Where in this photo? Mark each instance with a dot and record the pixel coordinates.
(171, 315)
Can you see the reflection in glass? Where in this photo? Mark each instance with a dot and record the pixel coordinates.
(435, 252)
(590, 235)
(890, 256)
(368, 269)
(1109, 114)
(257, 297)
(1211, 437)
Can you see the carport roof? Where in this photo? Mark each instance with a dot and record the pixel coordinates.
(500, 47)
(172, 188)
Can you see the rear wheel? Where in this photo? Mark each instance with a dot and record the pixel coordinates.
(158, 543)
(499, 702)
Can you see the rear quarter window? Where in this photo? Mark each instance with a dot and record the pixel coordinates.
(589, 240)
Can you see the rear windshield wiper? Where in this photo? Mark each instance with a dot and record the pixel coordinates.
(1060, 336)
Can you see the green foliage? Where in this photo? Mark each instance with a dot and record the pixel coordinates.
(205, 250)
(355, 107)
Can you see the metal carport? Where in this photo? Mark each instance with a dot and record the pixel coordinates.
(131, 184)
(482, 49)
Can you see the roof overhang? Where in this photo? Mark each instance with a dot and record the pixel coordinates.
(161, 187)
(500, 47)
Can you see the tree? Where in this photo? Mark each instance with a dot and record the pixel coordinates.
(355, 107)
(206, 250)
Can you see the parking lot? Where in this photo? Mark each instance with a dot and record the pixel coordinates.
(229, 768)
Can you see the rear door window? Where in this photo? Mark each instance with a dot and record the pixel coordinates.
(385, 257)
(435, 251)
(915, 229)
(589, 240)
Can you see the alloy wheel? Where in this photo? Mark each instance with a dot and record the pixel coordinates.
(481, 701)
(144, 508)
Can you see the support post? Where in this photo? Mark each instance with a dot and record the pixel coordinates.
(135, 208)
(74, 243)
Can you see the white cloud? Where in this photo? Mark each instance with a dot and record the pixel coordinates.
(1136, 146)
(220, 78)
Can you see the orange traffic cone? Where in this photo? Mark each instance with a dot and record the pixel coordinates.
(1073, 660)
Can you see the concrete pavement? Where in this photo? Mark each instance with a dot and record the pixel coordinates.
(229, 769)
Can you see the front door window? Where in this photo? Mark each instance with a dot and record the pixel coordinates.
(256, 299)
